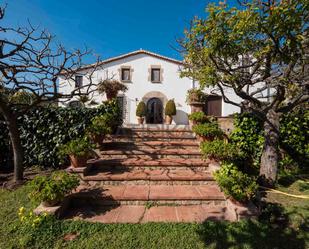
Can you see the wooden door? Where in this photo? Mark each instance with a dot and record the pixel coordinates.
(213, 106)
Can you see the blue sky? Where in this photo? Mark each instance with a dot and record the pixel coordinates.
(110, 27)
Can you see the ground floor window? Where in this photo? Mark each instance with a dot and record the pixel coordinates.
(121, 100)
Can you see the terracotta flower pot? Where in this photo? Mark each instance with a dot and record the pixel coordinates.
(168, 119)
(238, 203)
(140, 120)
(110, 96)
(204, 138)
(98, 138)
(192, 122)
(78, 161)
(196, 106)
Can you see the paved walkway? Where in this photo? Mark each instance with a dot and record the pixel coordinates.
(142, 214)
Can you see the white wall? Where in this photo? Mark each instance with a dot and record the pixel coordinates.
(172, 86)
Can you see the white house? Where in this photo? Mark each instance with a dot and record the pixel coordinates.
(151, 78)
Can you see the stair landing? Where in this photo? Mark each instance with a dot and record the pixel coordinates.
(143, 214)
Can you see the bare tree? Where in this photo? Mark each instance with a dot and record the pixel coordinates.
(31, 62)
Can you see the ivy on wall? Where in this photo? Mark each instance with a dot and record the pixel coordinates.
(44, 129)
(294, 137)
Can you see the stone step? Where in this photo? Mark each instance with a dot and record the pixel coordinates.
(149, 156)
(141, 132)
(148, 177)
(149, 153)
(150, 137)
(184, 145)
(143, 194)
(157, 127)
(143, 163)
(143, 214)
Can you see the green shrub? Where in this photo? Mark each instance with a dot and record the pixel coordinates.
(100, 125)
(141, 109)
(44, 129)
(294, 137)
(170, 108)
(248, 136)
(76, 147)
(241, 187)
(196, 95)
(52, 188)
(208, 130)
(199, 117)
(220, 150)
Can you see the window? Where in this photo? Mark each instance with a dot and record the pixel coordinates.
(78, 81)
(155, 74)
(125, 74)
(75, 104)
(122, 104)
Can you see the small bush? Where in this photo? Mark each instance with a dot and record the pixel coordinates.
(208, 130)
(241, 187)
(170, 108)
(100, 125)
(141, 109)
(220, 150)
(77, 147)
(199, 117)
(196, 95)
(52, 188)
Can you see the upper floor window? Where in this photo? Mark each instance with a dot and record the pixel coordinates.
(156, 74)
(78, 81)
(125, 74)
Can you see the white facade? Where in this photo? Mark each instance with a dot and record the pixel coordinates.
(141, 88)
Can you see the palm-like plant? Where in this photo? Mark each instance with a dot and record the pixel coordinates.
(111, 88)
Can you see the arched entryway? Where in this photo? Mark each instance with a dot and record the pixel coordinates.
(154, 111)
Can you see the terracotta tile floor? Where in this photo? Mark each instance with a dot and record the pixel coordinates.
(158, 192)
(141, 214)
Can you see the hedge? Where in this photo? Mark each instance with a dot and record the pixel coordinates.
(293, 138)
(44, 129)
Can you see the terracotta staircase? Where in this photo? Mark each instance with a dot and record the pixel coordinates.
(151, 166)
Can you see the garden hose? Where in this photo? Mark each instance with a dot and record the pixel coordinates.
(283, 193)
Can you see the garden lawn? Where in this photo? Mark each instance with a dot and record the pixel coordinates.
(246, 234)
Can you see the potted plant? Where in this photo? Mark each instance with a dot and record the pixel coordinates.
(78, 151)
(99, 128)
(141, 112)
(111, 88)
(196, 98)
(170, 111)
(197, 118)
(207, 131)
(50, 190)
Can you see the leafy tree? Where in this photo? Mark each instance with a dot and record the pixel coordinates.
(30, 65)
(260, 52)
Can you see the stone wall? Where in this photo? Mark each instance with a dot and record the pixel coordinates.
(226, 124)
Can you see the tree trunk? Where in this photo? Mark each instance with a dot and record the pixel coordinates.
(11, 122)
(270, 154)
